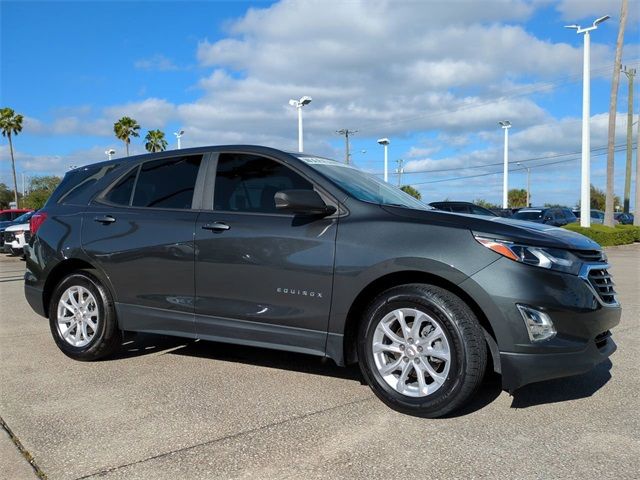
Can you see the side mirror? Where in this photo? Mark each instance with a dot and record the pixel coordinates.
(302, 202)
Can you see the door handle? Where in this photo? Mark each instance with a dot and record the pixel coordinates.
(216, 226)
(104, 219)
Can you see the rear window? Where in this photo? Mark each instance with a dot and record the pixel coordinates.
(164, 183)
(528, 215)
(77, 182)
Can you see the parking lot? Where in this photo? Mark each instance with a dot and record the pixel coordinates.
(171, 408)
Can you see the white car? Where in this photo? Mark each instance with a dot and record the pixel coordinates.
(16, 237)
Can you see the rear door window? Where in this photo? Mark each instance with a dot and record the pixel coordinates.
(167, 183)
(164, 183)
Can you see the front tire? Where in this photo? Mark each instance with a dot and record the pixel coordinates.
(82, 318)
(421, 350)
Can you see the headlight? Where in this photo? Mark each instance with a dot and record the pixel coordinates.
(550, 258)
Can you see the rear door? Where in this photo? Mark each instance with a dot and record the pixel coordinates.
(263, 277)
(140, 233)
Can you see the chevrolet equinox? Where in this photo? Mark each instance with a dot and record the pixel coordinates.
(254, 246)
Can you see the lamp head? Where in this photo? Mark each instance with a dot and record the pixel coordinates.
(598, 21)
(384, 141)
(293, 103)
(305, 100)
(505, 123)
(572, 27)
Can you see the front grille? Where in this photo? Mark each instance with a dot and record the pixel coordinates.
(9, 237)
(602, 338)
(589, 255)
(601, 281)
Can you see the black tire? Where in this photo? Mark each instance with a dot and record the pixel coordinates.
(465, 339)
(107, 337)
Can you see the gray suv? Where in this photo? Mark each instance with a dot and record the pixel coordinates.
(254, 246)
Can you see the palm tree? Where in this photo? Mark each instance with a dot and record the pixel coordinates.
(125, 128)
(11, 124)
(613, 105)
(155, 141)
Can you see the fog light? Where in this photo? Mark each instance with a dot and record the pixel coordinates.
(539, 324)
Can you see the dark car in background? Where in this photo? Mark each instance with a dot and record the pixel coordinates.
(502, 212)
(597, 216)
(258, 247)
(623, 218)
(556, 216)
(463, 207)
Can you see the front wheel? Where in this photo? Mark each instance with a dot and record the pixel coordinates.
(422, 350)
(82, 318)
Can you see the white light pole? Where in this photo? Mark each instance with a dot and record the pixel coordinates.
(299, 104)
(385, 143)
(179, 136)
(109, 153)
(506, 125)
(585, 186)
(528, 184)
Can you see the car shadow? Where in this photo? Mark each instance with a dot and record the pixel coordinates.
(563, 389)
(551, 391)
(146, 344)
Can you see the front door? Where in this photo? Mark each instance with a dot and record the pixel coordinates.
(263, 277)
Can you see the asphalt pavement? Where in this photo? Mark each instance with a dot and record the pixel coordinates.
(169, 408)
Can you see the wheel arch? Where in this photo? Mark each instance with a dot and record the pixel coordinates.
(62, 270)
(379, 285)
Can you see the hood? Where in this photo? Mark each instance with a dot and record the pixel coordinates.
(19, 226)
(517, 231)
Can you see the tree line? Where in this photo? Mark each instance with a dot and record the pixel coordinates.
(11, 126)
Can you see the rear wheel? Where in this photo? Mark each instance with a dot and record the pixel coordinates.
(422, 350)
(82, 318)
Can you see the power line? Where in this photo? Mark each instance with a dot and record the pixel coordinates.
(484, 165)
(513, 170)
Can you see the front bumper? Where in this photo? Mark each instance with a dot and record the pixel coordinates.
(582, 321)
(519, 369)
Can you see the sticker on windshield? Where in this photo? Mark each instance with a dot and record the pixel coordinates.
(322, 161)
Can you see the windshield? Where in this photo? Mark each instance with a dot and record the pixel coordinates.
(528, 215)
(361, 185)
(24, 218)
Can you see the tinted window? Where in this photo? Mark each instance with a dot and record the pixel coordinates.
(5, 216)
(460, 208)
(248, 183)
(77, 182)
(167, 183)
(120, 194)
(528, 215)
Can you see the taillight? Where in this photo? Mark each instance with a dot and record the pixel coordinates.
(36, 221)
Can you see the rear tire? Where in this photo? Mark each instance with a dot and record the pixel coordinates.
(82, 318)
(421, 350)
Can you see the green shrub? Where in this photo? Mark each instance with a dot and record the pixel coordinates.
(632, 228)
(608, 236)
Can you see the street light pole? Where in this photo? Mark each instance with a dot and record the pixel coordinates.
(585, 186)
(385, 143)
(299, 104)
(109, 153)
(400, 170)
(506, 125)
(528, 183)
(178, 135)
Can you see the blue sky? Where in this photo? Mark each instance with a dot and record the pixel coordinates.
(433, 77)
